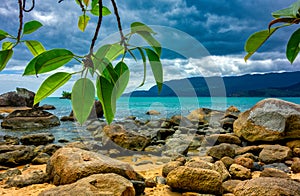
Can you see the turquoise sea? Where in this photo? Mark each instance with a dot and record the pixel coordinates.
(138, 106)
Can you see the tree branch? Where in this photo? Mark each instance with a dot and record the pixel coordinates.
(20, 20)
(119, 21)
(80, 3)
(97, 28)
(31, 8)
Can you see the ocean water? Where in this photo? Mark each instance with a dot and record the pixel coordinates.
(138, 106)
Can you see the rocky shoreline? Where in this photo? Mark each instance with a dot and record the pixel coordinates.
(208, 152)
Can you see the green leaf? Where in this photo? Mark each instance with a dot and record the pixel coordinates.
(256, 40)
(109, 73)
(7, 45)
(156, 67)
(31, 26)
(95, 9)
(290, 11)
(123, 78)
(145, 67)
(50, 85)
(48, 61)
(5, 55)
(3, 34)
(138, 26)
(293, 48)
(114, 51)
(151, 41)
(83, 21)
(107, 98)
(35, 47)
(83, 98)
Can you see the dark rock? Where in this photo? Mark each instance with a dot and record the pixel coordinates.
(195, 180)
(139, 186)
(50, 149)
(67, 165)
(37, 139)
(222, 150)
(227, 123)
(67, 118)
(269, 120)
(150, 182)
(12, 155)
(230, 185)
(21, 98)
(26, 119)
(11, 140)
(167, 168)
(296, 166)
(271, 172)
(280, 166)
(94, 185)
(239, 172)
(153, 112)
(162, 134)
(125, 139)
(63, 140)
(232, 112)
(275, 153)
(10, 173)
(28, 96)
(47, 107)
(268, 187)
(42, 158)
(35, 177)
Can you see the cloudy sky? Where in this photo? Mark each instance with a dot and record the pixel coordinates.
(201, 37)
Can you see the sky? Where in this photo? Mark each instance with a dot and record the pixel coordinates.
(200, 37)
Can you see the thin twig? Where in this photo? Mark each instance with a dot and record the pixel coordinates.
(97, 28)
(119, 21)
(20, 20)
(81, 5)
(31, 8)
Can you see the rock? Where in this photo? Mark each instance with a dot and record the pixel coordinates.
(11, 140)
(94, 185)
(275, 153)
(50, 149)
(47, 107)
(67, 165)
(179, 120)
(296, 166)
(293, 144)
(215, 139)
(167, 168)
(245, 162)
(67, 118)
(227, 123)
(97, 111)
(37, 139)
(35, 177)
(230, 185)
(199, 164)
(280, 166)
(221, 150)
(205, 115)
(239, 172)
(232, 112)
(296, 152)
(249, 149)
(27, 119)
(12, 155)
(139, 187)
(221, 168)
(22, 97)
(271, 172)
(162, 134)
(268, 187)
(125, 139)
(227, 161)
(195, 180)
(269, 120)
(153, 112)
(9, 173)
(42, 158)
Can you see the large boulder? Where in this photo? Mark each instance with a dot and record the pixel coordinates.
(67, 165)
(32, 118)
(269, 120)
(195, 180)
(275, 153)
(125, 139)
(21, 98)
(94, 185)
(267, 186)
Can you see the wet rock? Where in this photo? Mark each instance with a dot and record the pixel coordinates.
(162, 134)
(125, 139)
(27, 119)
(67, 165)
(179, 120)
(11, 140)
(271, 172)
(229, 186)
(50, 149)
(47, 107)
(195, 180)
(275, 153)
(35, 177)
(269, 120)
(67, 118)
(221, 150)
(239, 172)
(37, 139)
(167, 168)
(12, 155)
(42, 158)
(97, 184)
(153, 112)
(268, 187)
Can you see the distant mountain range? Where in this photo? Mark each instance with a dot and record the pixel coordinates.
(285, 84)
